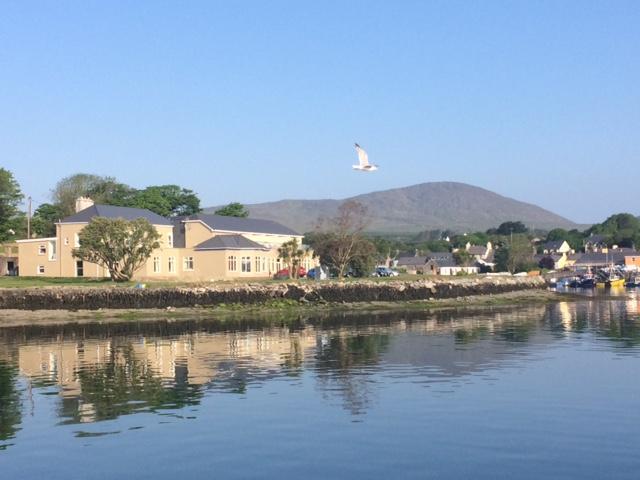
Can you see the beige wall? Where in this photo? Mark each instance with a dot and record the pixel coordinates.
(197, 232)
(207, 264)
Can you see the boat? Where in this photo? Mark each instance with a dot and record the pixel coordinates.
(615, 282)
(588, 281)
(609, 280)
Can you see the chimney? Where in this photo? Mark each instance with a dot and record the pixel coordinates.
(83, 203)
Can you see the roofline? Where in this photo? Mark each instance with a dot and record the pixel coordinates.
(197, 220)
(264, 249)
(27, 240)
(87, 223)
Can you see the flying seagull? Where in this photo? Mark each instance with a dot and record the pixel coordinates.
(363, 161)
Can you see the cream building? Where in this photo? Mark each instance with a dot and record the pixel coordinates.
(200, 247)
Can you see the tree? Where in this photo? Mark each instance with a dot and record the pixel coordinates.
(234, 209)
(292, 255)
(151, 199)
(343, 242)
(573, 237)
(463, 258)
(364, 258)
(514, 256)
(121, 246)
(167, 200)
(10, 198)
(109, 191)
(547, 263)
(508, 228)
(621, 229)
(68, 189)
(43, 223)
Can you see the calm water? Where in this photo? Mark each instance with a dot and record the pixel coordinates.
(527, 392)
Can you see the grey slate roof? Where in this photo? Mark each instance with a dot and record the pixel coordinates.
(229, 242)
(440, 255)
(442, 259)
(111, 211)
(477, 250)
(445, 262)
(412, 260)
(595, 238)
(614, 256)
(246, 225)
(553, 245)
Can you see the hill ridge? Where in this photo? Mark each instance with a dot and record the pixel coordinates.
(425, 206)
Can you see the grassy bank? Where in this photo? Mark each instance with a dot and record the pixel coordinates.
(51, 282)
(282, 309)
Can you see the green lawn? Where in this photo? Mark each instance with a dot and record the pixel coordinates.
(27, 282)
(24, 282)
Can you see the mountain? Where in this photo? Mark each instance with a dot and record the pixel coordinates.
(427, 206)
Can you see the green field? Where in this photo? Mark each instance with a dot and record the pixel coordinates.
(31, 282)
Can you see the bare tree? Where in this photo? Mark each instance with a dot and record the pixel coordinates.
(341, 240)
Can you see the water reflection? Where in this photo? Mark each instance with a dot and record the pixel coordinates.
(10, 404)
(99, 372)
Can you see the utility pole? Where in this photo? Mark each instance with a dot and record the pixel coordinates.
(29, 218)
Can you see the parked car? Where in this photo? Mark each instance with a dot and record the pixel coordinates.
(284, 273)
(385, 272)
(317, 273)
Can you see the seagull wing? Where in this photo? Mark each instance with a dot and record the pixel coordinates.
(362, 156)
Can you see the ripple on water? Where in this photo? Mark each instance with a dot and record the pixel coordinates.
(531, 391)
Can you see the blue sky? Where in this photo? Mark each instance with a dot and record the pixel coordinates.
(256, 101)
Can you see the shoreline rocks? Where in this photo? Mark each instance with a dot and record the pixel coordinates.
(94, 298)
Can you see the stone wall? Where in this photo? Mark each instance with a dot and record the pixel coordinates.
(92, 298)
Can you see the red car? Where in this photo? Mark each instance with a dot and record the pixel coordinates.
(284, 273)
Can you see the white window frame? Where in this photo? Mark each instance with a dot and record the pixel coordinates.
(157, 264)
(245, 264)
(40, 270)
(75, 271)
(258, 268)
(66, 240)
(170, 240)
(42, 249)
(76, 240)
(51, 248)
(232, 263)
(171, 264)
(187, 264)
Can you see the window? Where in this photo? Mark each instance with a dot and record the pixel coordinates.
(66, 240)
(258, 265)
(79, 268)
(172, 264)
(232, 264)
(42, 250)
(156, 264)
(264, 264)
(187, 263)
(76, 240)
(40, 270)
(170, 240)
(246, 264)
(52, 250)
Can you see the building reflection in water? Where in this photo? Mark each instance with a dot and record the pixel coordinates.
(104, 371)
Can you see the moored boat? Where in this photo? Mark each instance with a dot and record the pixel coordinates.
(588, 281)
